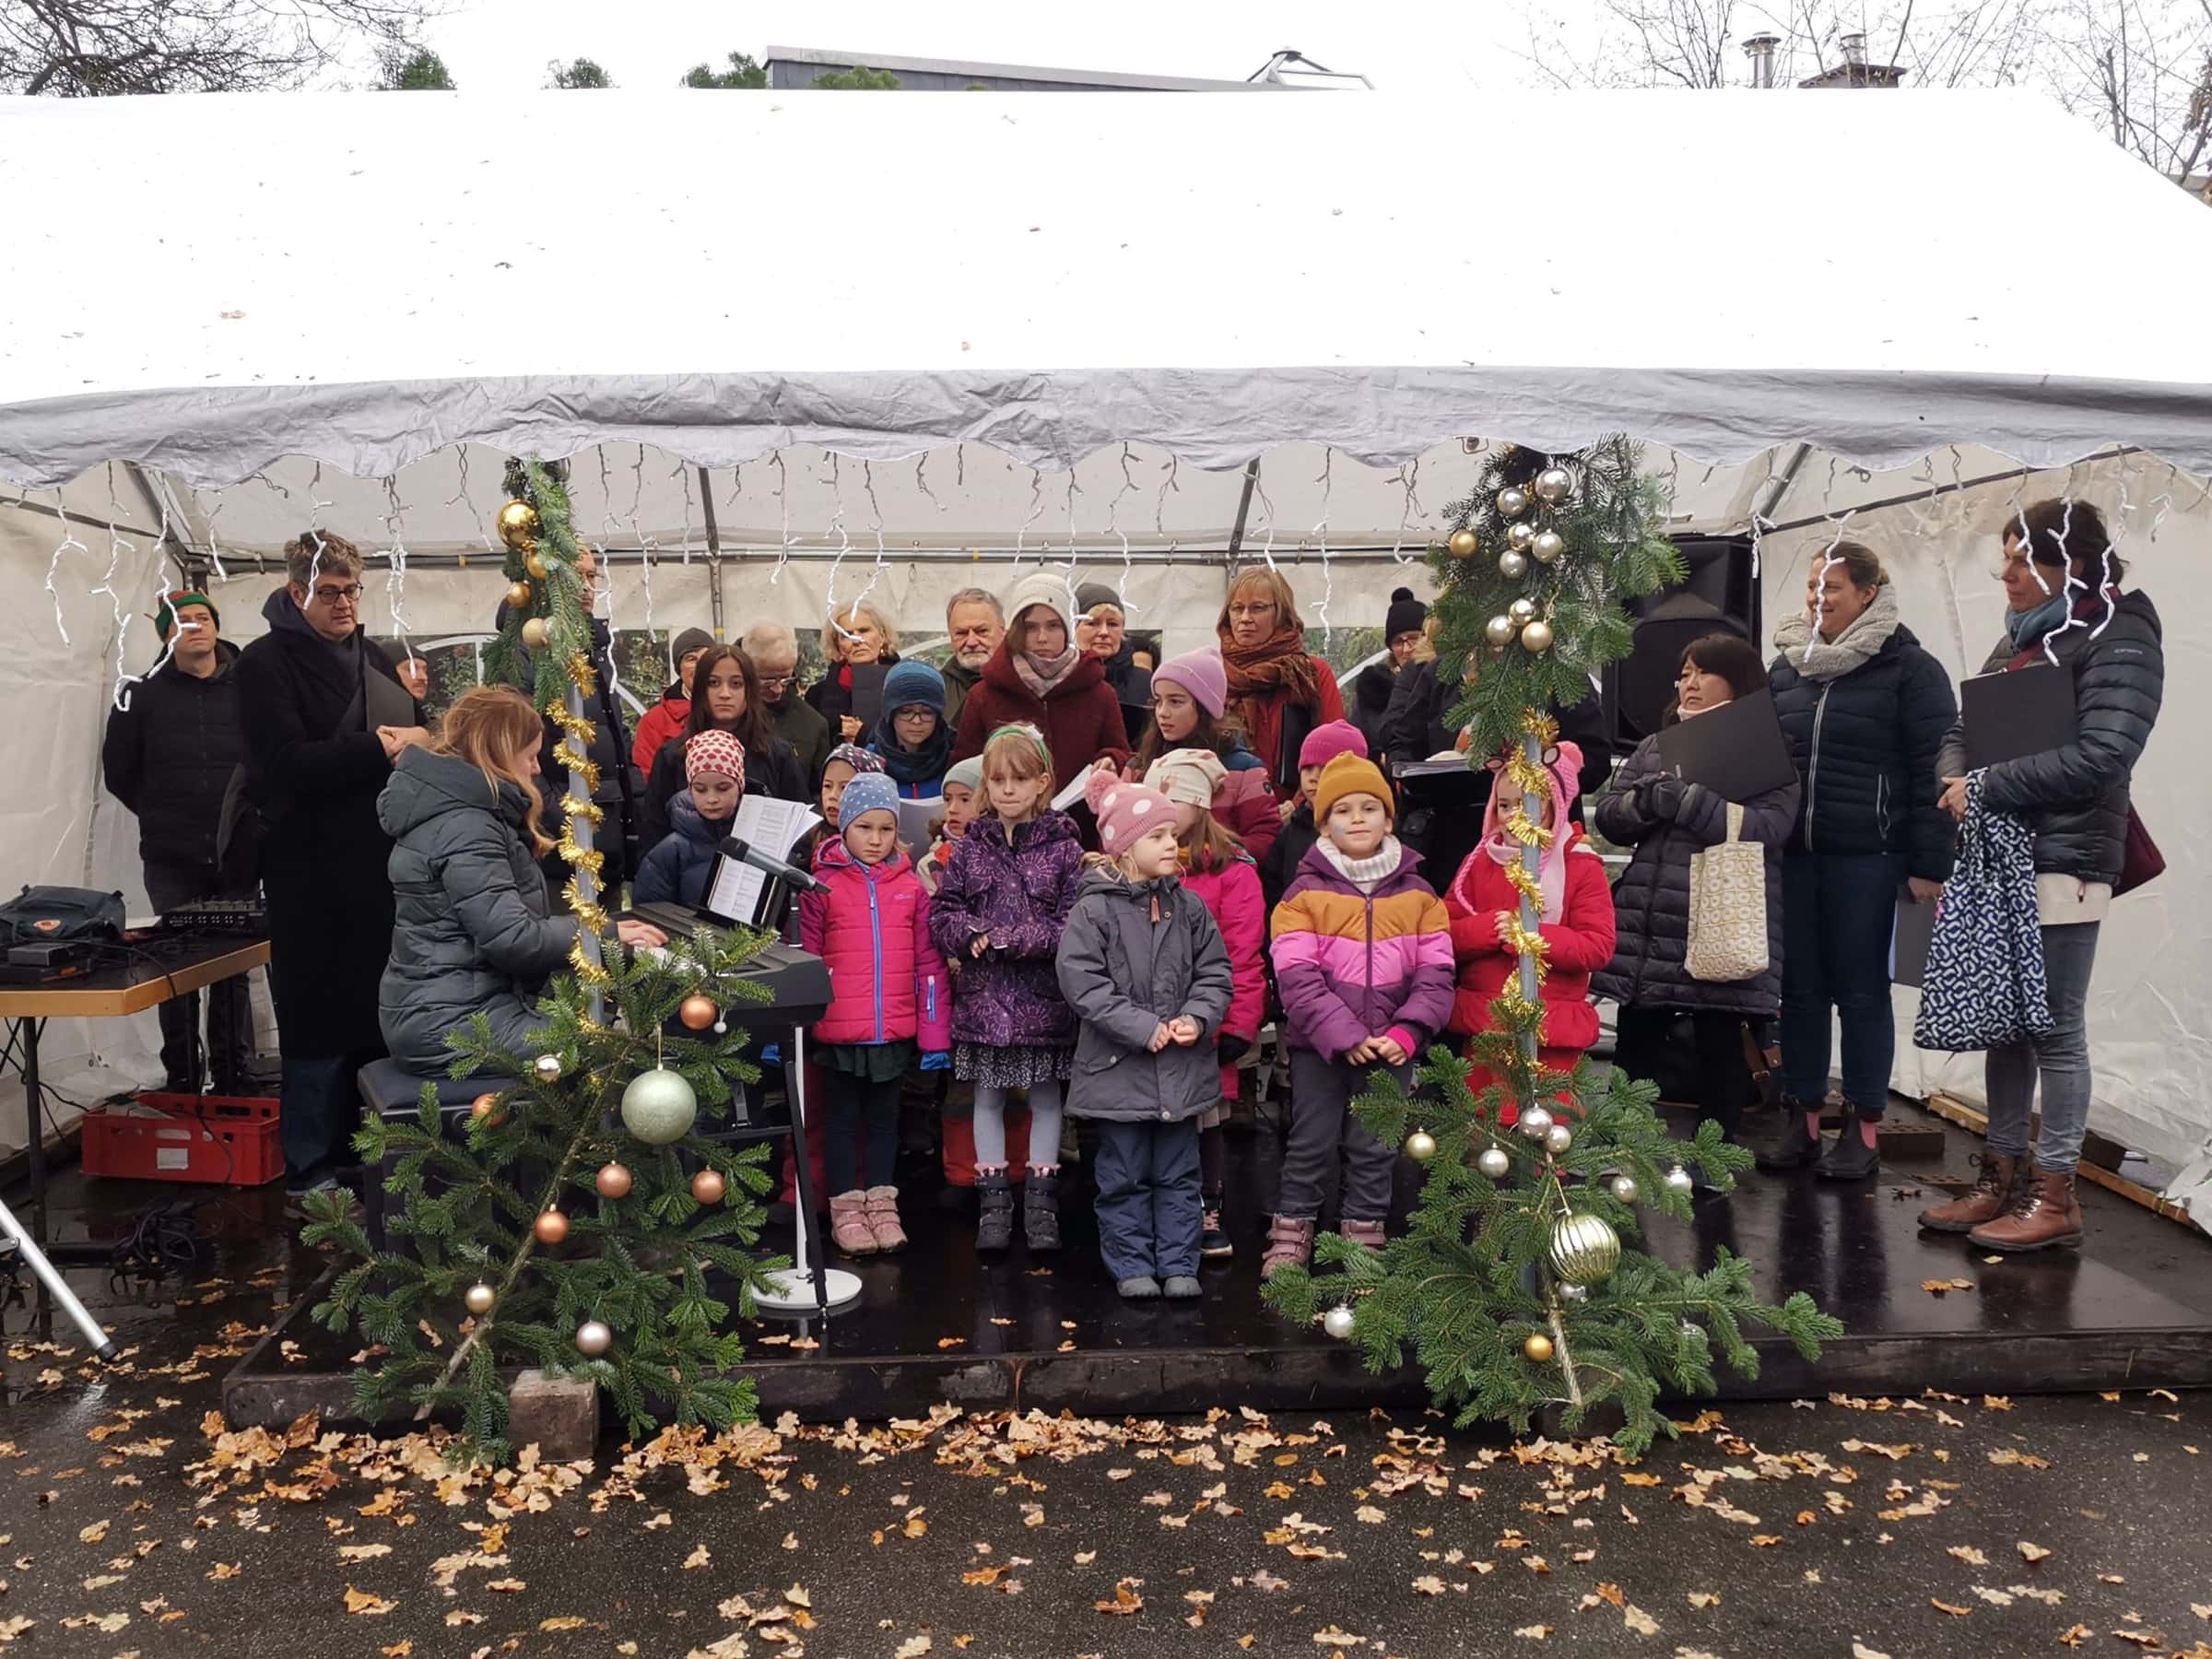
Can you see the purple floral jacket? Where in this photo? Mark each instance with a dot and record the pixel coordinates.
(1018, 895)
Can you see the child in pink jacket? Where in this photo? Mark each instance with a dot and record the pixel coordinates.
(888, 994)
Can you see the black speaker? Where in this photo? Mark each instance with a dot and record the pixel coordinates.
(1719, 596)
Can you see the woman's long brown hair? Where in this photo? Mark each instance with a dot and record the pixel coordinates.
(756, 728)
(492, 727)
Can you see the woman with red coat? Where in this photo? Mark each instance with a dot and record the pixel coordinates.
(1276, 691)
(1040, 676)
(1576, 927)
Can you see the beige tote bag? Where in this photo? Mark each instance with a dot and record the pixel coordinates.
(1728, 908)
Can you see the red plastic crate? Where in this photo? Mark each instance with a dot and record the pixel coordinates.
(224, 1140)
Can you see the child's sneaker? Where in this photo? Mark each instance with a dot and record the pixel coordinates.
(1368, 1233)
(1213, 1242)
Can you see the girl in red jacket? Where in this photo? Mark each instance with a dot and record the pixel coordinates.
(1226, 879)
(888, 996)
(1577, 922)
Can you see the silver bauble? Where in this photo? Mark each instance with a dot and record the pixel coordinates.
(1554, 484)
(1535, 1123)
(1548, 546)
(546, 1069)
(1585, 1248)
(1558, 1139)
(1522, 611)
(659, 1107)
(1679, 1180)
(1494, 1162)
(1420, 1146)
(479, 1299)
(592, 1338)
(1512, 502)
(1337, 1323)
(1520, 538)
(1499, 631)
(1625, 1188)
(1692, 1331)
(1574, 1293)
(1536, 639)
(722, 1027)
(1513, 566)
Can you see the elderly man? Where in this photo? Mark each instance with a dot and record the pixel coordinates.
(169, 756)
(774, 650)
(324, 717)
(974, 624)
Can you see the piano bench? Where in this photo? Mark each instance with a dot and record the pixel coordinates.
(392, 1093)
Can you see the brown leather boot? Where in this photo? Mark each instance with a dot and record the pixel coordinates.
(1985, 1203)
(2043, 1212)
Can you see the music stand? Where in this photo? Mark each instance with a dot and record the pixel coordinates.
(810, 1287)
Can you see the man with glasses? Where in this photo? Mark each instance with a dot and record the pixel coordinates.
(325, 717)
(774, 650)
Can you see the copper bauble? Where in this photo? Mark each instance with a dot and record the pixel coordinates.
(1463, 544)
(486, 1106)
(551, 1228)
(708, 1186)
(612, 1181)
(518, 595)
(697, 1012)
(536, 634)
(518, 523)
(1537, 1347)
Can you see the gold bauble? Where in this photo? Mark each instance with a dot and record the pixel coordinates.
(1585, 1248)
(1420, 1146)
(1537, 1347)
(535, 635)
(1463, 544)
(536, 565)
(518, 524)
(550, 1227)
(480, 1299)
(1520, 538)
(546, 1068)
(1513, 501)
(708, 1186)
(1522, 612)
(1536, 639)
(697, 1012)
(518, 595)
(613, 1180)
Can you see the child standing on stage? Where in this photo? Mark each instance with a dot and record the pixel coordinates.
(888, 996)
(1143, 965)
(1576, 922)
(1363, 964)
(998, 914)
(1278, 863)
(1220, 874)
(698, 817)
(963, 798)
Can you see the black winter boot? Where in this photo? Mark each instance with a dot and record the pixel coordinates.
(1040, 1211)
(995, 1218)
(1793, 1146)
(1847, 1157)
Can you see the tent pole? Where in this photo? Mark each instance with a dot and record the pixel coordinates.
(1236, 534)
(706, 497)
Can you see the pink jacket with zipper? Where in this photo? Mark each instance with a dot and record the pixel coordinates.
(887, 981)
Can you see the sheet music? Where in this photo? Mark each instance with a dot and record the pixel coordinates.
(914, 819)
(1074, 791)
(772, 826)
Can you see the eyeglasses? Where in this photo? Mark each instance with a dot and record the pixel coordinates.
(914, 714)
(349, 595)
(776, 682)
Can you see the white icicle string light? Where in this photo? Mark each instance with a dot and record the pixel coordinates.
(215, 547)
(396, 557)
(1259, 490)
(1320, 532)
(867, 485)
(53, 565)
(1409, 474)
(1114, 526)
(775, 577)
(126, 682)
(683, 477)
(1021, 535)
(844, 546)
(1068, 565)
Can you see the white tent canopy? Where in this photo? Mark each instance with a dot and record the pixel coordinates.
(366, 280)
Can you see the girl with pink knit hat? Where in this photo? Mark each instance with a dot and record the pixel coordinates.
(1576, 923)
(1189, 693)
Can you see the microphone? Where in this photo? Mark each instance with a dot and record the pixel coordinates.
(768, 864)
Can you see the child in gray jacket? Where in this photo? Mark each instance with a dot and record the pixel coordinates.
(1142, 964)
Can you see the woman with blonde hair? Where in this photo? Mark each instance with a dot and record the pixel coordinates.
(856, 635)
(476, 930)
(1276, 691)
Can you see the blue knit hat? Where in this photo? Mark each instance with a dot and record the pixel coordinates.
(910, 682)
(870, 791)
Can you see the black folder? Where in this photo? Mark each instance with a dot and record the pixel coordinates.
(1736, 750)
(867, 697)
(2023, 713)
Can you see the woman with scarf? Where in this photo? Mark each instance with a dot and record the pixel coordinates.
(855, 636)
(911, 737)
(1865, 708)
(1040, 676)
(1276, 691)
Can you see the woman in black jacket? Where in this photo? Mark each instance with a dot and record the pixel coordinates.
(1865, 708)
(858, 635)
(727, 697)
(2062, 588)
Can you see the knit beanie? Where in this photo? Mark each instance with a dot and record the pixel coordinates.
(1089, 596)
(910, 682)
(968, 774)
(1125, 811)
(1405, 614)
(165, 614)
(689, 641)
(870, 791)
(714, 751)
(1192, 776)
(1349, 775)
(858, 759)
(1201, 674)
(1325, 743)
(1042, 587)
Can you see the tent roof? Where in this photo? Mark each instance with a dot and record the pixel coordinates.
(217, 281)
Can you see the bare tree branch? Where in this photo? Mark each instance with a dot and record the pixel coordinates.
(92, 48)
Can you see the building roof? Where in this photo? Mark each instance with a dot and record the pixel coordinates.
(820, 60)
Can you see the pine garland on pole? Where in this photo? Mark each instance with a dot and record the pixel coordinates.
(562, 1230)
(1512, 1286)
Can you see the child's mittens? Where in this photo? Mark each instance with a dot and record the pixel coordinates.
(936, 1060)
(1232, 1049)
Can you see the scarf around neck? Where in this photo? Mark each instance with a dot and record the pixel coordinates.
(1279, 663)
(1818, 659)
(2027, 627)
(913, 766)
(1043, 675)
(1364, 873)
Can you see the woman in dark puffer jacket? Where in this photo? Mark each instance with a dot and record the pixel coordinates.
(2062, 588)
(1865, 708)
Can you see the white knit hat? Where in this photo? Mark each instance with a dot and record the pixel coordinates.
(1042, 587)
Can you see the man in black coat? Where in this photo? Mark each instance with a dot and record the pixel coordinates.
(325, 717)
(169, 756)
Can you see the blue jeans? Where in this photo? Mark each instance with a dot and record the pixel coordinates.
(2061, 1057)
(1838, 911)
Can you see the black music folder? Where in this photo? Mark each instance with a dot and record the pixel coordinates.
(867, 697)
(2021, 713)
(1736, 750)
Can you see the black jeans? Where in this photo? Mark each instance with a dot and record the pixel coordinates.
(1838, 910)
(229, 1051)
(1724, 1087)
(857, 1105)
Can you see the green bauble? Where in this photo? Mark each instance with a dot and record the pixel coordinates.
(659, 1107)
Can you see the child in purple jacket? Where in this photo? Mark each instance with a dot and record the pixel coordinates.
(997, 918)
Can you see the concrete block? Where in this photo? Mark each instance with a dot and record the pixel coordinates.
(560, 1414)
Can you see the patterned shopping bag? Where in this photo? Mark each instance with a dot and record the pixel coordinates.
(1984, 982)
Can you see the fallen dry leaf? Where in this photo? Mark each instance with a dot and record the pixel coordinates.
(1704, 1598)
(1535, 1632)
(1859, 1650)
(405, 1646)
(1937, 1287)
(698, 1558)
(1969, 1554)
(1638, 1620)
(1944, 1606)
(913, 1647)
(362, 1552)
(562, 1621)
(2031, 1552)
(2075, 1635)
(361, 1602)
(93, 1534)
(1125, 1600)
(1429, 1585)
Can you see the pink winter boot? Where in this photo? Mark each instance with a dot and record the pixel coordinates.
(883, 1217)
(1290, 1242)
(849, 1229)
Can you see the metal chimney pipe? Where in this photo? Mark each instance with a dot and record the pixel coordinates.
(1855, 50)
(1759, 48)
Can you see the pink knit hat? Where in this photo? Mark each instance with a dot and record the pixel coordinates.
(1201, 674)
(1325, 743)
(1125, 810)
(714, 751)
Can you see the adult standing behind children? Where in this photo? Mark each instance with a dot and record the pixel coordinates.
(667, 718)
(1276, 691)
(912, 735)
(728, 700)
